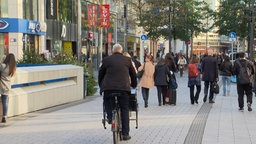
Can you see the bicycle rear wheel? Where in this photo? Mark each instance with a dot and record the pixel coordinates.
(115, 128)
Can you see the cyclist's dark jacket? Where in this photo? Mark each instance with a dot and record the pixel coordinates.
(117, 73)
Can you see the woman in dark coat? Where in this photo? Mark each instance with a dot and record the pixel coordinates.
(161, 80)
(171, 93)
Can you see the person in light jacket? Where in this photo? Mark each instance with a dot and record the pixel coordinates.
(7, 70)
(147, 79)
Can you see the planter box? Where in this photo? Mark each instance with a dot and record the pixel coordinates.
(39, 87)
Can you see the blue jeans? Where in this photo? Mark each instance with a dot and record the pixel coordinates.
(4, 99)
(226, 84)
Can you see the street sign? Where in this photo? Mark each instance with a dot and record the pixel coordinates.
(232, 35)
(143, 37)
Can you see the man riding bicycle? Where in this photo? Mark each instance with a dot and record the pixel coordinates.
(117, 75)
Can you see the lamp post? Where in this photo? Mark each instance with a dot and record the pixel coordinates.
(251, 46)
(125, 25)
(170, 26)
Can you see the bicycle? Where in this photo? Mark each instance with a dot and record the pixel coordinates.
(116, 125)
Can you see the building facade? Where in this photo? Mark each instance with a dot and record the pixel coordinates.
(22, 27)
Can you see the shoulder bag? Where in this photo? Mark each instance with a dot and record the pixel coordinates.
(140, 73)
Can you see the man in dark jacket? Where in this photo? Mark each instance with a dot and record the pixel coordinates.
(209, 75)
(117, 75)
(242, 86)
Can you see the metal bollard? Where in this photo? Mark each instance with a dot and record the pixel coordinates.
(86, 76)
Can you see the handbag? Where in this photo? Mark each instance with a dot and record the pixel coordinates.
(172, 83)
(215, 88)
(140, 73)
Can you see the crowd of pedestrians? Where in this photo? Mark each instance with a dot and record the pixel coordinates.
(118, 73)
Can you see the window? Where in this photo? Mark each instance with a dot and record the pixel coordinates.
(67, 11)
(3, 8)
(30, 9)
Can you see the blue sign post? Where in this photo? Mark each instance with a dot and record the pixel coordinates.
(232, 35)
(143, 37)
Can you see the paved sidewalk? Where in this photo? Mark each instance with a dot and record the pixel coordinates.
(80, 122)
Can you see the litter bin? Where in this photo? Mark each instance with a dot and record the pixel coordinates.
(86, 76)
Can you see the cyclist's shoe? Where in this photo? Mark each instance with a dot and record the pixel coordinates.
(109, 121)
(126, 137)
(3, 120)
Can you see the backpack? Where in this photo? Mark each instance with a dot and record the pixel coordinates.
(244, 75)
(192, 70)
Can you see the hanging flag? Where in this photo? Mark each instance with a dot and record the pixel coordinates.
(104, 15)
(92, 15)
(109, 37)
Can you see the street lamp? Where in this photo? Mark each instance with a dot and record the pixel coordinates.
(141, 43)
(251, 46)
(125, 25)
(170, 26)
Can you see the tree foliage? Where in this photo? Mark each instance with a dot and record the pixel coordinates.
(187, 18)
(234, 16)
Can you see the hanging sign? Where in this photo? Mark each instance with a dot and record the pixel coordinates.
(104, 15)
(92, 15)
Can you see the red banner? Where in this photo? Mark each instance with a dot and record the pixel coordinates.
(109, 37)
(104, 15)
(92, 15)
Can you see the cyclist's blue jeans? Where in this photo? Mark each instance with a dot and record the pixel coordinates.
(226, 84)
(123, 102)
(4, 99)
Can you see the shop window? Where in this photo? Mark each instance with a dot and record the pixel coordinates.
(3, 8)
(30, 43)
(30, 9)
(67, 11)
(4, 44)
(57, 48)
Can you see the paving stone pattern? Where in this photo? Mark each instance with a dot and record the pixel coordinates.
(80, 123)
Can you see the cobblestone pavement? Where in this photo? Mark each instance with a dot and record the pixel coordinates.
(80, 122)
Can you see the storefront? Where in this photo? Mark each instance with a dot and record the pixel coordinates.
(15, 32)
(61, 38)
(62, 28)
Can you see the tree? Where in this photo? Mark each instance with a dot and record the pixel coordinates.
(234, 16)
(187, 18)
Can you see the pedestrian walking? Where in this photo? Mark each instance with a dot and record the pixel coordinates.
(182, 62)
(133, 63)
(194, 79)
(117, 75)
(209, 75)
(7, 70)
(171, 93)
(147, 80)
(244, 71)
(136, 62)
(161, 77)
(226, 71)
